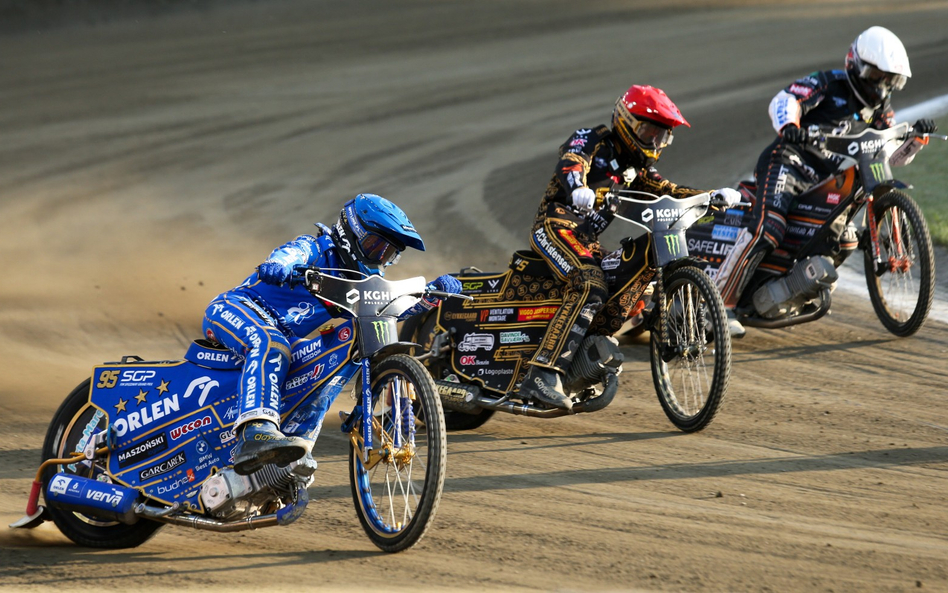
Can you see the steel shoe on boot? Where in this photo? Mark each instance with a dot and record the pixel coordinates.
(544, 385)
(260, 443)
(735, 327)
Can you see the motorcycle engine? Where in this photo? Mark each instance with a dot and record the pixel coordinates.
(790, 293)
(229, 495)
(597, 356)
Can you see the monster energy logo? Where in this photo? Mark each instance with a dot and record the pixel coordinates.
(878, 171)
(381, 331)
(673, 243)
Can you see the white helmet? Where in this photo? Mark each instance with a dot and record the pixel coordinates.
(876, 65)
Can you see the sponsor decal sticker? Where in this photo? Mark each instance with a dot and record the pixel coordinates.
(722, 232)
(162, 468)
(801, 91)
(474, 342)
(536, 313)
(196, 424)
(514, 337)
(143, 450)
(574, 243)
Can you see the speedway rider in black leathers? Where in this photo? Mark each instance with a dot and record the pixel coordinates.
(846, 101)
(568, 224)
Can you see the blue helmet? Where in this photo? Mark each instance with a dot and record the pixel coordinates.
(371, 233)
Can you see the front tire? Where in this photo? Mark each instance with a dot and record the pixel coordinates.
(73, 424)
(692, 369)
(903, 290)
(396, 494)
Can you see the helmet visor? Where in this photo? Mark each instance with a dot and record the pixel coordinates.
(884, 81)
(377, 250)
(650, 133)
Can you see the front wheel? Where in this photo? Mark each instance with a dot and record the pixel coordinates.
(397, 490)
(902, 285)
(74, 423)
(692, 366)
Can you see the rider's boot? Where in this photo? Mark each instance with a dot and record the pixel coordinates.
(734, 327)
(260, 443)
(544, 385)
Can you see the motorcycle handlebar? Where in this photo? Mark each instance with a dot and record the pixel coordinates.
(817, 135)
(443, 295)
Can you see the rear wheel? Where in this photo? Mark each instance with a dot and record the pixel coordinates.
(439, 369)
(397, 490)
(692, 368)
(73, 425)
(901, 286)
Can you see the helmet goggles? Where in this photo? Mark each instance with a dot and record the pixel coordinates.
(377, 250)
(650, 133)
(884, 81)
(372, 248)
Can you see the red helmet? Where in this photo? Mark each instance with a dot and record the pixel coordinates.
(643, 118)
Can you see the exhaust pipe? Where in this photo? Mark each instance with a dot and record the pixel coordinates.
(101, 499)
(284, 516)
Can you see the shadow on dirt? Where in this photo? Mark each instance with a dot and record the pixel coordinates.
(33, 556)
(784, 352)
(878, 458)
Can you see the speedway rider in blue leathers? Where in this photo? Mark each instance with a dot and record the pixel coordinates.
(259, 320)
(848, 101)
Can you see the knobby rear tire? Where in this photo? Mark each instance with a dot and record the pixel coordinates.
(63, 437)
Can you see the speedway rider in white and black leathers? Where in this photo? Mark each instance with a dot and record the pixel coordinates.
(260, 319)
(847, 101)
(568, 224)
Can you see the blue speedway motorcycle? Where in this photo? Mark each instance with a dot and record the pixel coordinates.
(142, 444)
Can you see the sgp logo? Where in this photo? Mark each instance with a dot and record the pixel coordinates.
(137, 376)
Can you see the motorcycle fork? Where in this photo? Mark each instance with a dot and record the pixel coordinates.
(396, 448)
(898, 262)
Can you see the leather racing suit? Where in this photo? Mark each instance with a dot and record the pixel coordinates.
(258, 322)
(785, 170)
(568, 240)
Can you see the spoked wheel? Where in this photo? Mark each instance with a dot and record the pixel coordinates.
(397, 490)
(439, 369)
(692, 369)
(902, 285)
(73, 425)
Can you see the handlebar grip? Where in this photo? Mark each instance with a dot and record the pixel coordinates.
(602, 195)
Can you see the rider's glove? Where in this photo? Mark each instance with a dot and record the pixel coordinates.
(273, 272)
(730, 197)
(925, 126)
(445, 283)
(792, 134)
(583, 198)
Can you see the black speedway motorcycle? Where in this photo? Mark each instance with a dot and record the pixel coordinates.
(822, 232)
(477, 351)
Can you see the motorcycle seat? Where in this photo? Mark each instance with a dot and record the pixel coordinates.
(526, 261)
(211, 355)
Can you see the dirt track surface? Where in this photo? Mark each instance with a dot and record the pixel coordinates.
(148, 165)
